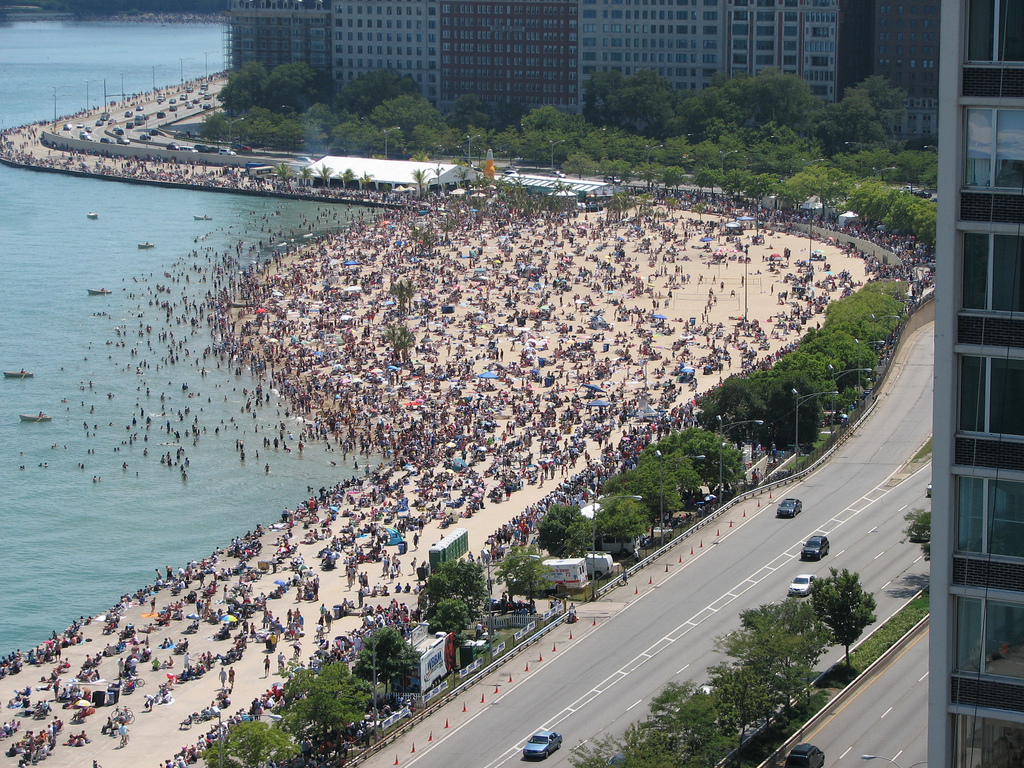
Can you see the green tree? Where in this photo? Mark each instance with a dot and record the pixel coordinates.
(469, 113)
(744, 697)
(782, 641)
(420, 177)
(367, 92)
(284, 172)
(407, 112)
(324, 173)
(523, 572)
(253, 744)
(318, 706)
(450, 616)
(687, 718)
(458, 580)
(553, 527)
(403, 290)
(295, 86)
(244, 88)
(919, 529)
(388, 654)
(400, 339)
(638, 747)
(844, 606)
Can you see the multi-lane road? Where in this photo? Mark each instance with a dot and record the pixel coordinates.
(650, 634)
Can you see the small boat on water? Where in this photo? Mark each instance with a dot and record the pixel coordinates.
(22, 374)
(202, 218)
(35, 417)
(98, 291)
(147, 245)
(92, 215)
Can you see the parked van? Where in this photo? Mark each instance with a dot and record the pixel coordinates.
(599, 565)
(570, 573)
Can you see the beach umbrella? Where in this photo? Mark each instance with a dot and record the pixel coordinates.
(593, 387)
(599, 403)
(487, 375)
(229, 619)
(660, 317)
(745, 218)
(195, 616)
(281, 583)
(83, 703)
(706, 239)
(351, 263)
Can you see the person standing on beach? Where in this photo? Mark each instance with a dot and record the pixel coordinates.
(266, 666)
(231, 679)
(223, 678)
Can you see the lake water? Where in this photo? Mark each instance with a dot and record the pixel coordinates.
(72, 544)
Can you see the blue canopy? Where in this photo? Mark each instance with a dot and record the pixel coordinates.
(599, 403)
(487, 375)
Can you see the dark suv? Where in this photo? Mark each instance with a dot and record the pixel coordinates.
(815, 548)
(805, 756)
(789, 508)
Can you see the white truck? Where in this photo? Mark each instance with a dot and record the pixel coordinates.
(599, 565)
(569, 573)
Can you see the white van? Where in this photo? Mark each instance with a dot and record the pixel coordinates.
(599, 565)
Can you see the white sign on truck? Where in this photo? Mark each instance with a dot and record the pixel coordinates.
(570, 572)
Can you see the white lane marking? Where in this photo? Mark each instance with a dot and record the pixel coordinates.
(680, 671)
(845, 753)
(879, 554)
(638, 701)
(886, 712)
(922, 677)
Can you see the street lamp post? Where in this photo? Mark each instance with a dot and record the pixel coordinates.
(55, 89)
(722, 427)
(206, 58)
(86, 95)
(661, 515)
(469, 147)
(553, 144)
(154, 66)
(796, 420)
(386, 132)
(723, 155)
(883, 757)
(594, 508)
(122, 86)
(181, 67)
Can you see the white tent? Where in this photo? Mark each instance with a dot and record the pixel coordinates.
(846, 218)
(394, 172)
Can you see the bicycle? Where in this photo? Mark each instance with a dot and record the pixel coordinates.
(124, 739)
(124, 715)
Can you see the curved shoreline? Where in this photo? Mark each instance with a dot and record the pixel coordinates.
(199, 187)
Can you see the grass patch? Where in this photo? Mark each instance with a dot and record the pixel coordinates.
(882, 640)
(925, 451)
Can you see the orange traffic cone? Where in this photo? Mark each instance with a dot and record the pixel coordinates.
(527, 667)
(554, 648)
(691, 550)
(446, 722)
(666, 567)
(495, 687)
(541, 657)
(730, 523)
(680, 558)
(431, 736)
(718, 532)
(463, 706)
(570, 634)
(482, 699)
(595, 622)
(396, 759)
(413, 748)
(636, 590)
(701, 544)
(650, 579)
(510, 677)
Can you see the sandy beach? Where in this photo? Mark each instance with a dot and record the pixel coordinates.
(538, 343)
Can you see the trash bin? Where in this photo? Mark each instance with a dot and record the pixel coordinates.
(338, 611)
(541, 362)
(403, 547)
(422, 572)
(99, 698)
(605, 347)
(549, 381)
(113, 695)
(447, 309)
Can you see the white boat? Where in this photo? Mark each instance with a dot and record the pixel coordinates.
(92, 215)
(98, 291)
(22, 374)
(147, 244)
(35, 417)
(202, 218)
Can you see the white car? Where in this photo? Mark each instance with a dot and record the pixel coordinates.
(801, 586)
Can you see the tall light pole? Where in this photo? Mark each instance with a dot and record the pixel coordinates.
(469, 147)
(206, 60)
(55, 89)
(86, 95)
(796, 419)
(661, 516)
(154, 66)
(722, 427)
(723, 155)
(386, 132)
(181, 67)
(122, 86)
(554, 144)
(594, 508)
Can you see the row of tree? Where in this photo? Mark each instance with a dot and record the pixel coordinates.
(771, 660)
(765, 124)
(839, 356)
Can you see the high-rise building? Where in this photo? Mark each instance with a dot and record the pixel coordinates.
(541, 52)
(976, 687)
(906, 48)
(280, 32)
